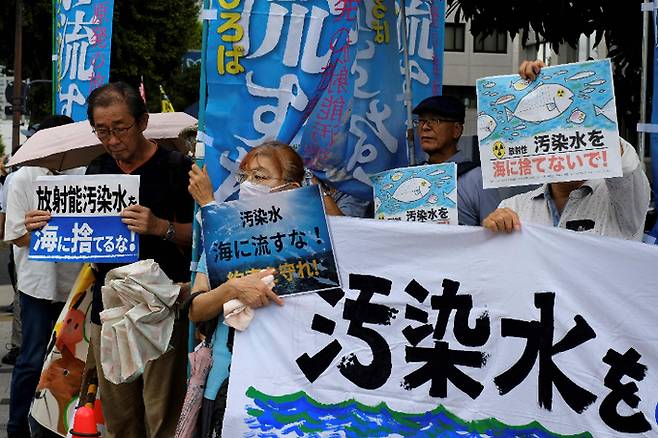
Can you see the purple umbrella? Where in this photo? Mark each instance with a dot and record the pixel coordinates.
(200, 363)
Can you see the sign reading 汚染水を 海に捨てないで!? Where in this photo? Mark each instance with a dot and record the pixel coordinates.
(560, 127)
(285, 230)
(417, 194)
(85, 224)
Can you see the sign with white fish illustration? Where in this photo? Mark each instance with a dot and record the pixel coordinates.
(453, 332)
(285, 230)
(417, 194)
(560, 127)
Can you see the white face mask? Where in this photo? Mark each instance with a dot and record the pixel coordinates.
(250, 190)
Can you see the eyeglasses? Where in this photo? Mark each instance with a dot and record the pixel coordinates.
(105, 133)
(254, 176)
(431, 122)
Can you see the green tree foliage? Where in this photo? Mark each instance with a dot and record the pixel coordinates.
(149, 38)
(37, 41)
(563, 22)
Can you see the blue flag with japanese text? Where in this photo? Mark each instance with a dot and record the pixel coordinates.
(325, 77)
(81, 62)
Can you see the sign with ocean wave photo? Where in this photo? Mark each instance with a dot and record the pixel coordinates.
(286, 231)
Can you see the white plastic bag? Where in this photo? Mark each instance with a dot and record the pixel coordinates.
(138, 319)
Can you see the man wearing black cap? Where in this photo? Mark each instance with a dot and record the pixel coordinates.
(439, 124)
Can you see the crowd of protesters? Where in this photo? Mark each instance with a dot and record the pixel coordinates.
(170, 184)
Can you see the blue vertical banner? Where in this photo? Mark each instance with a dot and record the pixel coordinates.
(325, 77)
(83, 41)
(425, 38)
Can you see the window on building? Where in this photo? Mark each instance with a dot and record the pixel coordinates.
(494, 43)
(454, 37)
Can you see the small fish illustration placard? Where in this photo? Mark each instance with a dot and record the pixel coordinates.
(560, 127)
(417, 194)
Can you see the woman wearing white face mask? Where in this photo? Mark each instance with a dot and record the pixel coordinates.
(270, 167)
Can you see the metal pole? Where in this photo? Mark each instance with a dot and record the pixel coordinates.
(53, 103)
(17, 101)
(408, 101)
(643, 82)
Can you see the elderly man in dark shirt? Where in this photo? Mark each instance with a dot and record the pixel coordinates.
(150, 405)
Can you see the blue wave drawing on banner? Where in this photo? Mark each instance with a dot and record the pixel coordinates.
(300, 415)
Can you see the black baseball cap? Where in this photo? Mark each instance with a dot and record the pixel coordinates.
(446, 107)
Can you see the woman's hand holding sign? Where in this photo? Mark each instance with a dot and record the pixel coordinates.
(253, 290)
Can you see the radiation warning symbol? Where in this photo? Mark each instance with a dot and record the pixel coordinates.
(499, 149)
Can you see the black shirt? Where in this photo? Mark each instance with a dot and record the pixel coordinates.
(162, 188)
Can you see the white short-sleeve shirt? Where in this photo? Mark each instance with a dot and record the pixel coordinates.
(44, 280)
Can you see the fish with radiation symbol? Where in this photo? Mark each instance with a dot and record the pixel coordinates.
(545, 102)
(412, 190)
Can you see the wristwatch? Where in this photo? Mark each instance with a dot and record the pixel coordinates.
(170, 233)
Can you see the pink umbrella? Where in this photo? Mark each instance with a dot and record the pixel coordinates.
(75, 145)
(200, 363)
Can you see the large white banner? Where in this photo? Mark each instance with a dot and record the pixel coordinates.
(455, 331)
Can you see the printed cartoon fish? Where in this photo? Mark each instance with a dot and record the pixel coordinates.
(489, 85)
(432, 199)
(596, 82)
(378, 203)
(486, 126)
(520, 84)
(546, 78)
(545, 102)
(515, 134)
(519, 127)
(581, 75)
(387, 186)
(608, 110)
(504, 99)
(437, 172)
(561, 72)
(587, 90)
(412, 190)
(577, 116)
(396, 176)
